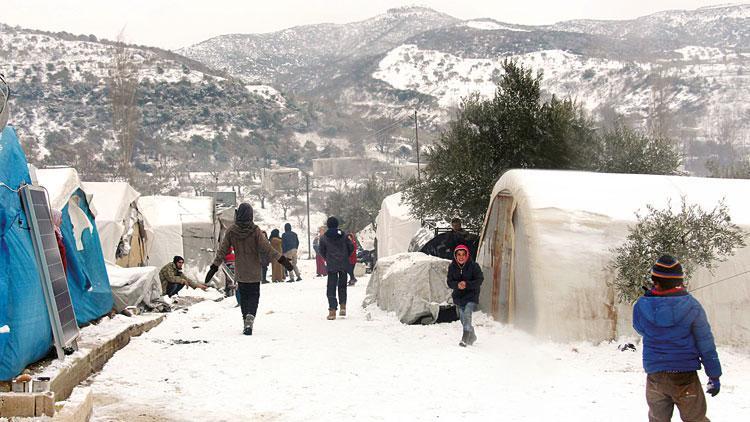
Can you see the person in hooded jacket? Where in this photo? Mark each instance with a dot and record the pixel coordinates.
(335, 248)
(289, 245)
(677, 339)
(277, 270)
(465, 278)
(248, 242)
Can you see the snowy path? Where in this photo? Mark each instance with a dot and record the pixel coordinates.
(369, 367)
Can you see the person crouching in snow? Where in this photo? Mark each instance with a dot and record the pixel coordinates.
(465, 277)
(335, 248)
(676, 340)
(248, 242)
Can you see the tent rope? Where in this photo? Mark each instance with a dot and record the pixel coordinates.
(10, 188)
(719, 281)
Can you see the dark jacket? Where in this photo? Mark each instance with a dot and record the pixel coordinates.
(248, 242)
(289, 239)
(676, 334)
(335, 248)
(471, 273)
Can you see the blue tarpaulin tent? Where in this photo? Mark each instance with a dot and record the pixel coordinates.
(25, 333)
(87, 274)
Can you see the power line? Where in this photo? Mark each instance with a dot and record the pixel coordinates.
(719, 281)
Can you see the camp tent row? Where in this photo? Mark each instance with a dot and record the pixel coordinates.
(103, 224)
(546, 249)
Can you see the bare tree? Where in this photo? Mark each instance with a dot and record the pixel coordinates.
(123, 89)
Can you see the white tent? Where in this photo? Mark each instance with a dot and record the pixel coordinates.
(396, 226)
(118, 220)
(413, 285)
(61, 183)
(139, 286)
(546, 246)
(181, 226)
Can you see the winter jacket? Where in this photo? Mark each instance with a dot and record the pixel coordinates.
(170, 274)
(471, 273)
(248, 242)
(316, 245)
(676, 334)
(289, 239)
(335, 248)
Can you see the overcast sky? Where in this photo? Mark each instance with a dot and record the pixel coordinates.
(173, 24)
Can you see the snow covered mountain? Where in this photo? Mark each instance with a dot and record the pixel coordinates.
(688, 68)
(61, 108)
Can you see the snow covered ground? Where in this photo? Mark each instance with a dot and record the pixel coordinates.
(300, 367)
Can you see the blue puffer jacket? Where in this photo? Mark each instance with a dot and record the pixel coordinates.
(676, 334)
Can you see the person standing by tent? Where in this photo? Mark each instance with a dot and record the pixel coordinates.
(289, 245)
(335, 248)
(352, 260)
(277, 270)
(465, 278)
(173, 279)
(248, 242)
(320, 263)
(677, 339)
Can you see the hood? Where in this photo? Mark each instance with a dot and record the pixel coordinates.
(244, 213)
(334, 233)
(287, 227)
(665, 311)
(243, 230)
(462, 248)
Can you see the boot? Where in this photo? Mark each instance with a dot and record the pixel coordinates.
(471, 338)
(331, 314)
(342, 311)
(464, 339)
(249, 319)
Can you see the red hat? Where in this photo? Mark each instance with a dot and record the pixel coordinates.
(462, 248)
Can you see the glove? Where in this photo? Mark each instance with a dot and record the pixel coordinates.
(213, 269)
(286, 263)
(713, 386)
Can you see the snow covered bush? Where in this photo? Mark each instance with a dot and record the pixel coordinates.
(696, 237)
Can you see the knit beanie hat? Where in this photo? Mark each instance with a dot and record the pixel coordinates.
(332, 223)
(667, 267)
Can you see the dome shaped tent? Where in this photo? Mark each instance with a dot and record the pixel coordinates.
(546, 245)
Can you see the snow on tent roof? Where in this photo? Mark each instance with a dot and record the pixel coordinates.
(113, 202)
(564, 226)
(60, 183)
(396, 226)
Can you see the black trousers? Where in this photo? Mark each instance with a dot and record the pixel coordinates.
(174, 288)
(336, 281)
(249, 297)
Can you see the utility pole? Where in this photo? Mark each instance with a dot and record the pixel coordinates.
(307, 183)
(416, 138)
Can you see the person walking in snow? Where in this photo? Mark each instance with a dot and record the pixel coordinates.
(465, 278)
(248, 242)
(173, 279)
(352, 260)
(677, 339)
(320, 263)
(277, 270)
(264, 261)
(335, 248)
(289, 245)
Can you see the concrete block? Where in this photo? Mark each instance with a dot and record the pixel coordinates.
(44, 404)
(17, 404)
(78, 408)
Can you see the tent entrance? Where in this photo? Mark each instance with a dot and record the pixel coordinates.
(499, 238)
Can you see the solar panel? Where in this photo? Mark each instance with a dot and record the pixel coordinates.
(51, 271)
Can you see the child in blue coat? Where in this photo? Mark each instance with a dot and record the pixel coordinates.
(676, 341)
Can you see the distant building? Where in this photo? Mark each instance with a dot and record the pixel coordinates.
(224, 199)
(278, 179)
(342, 167)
